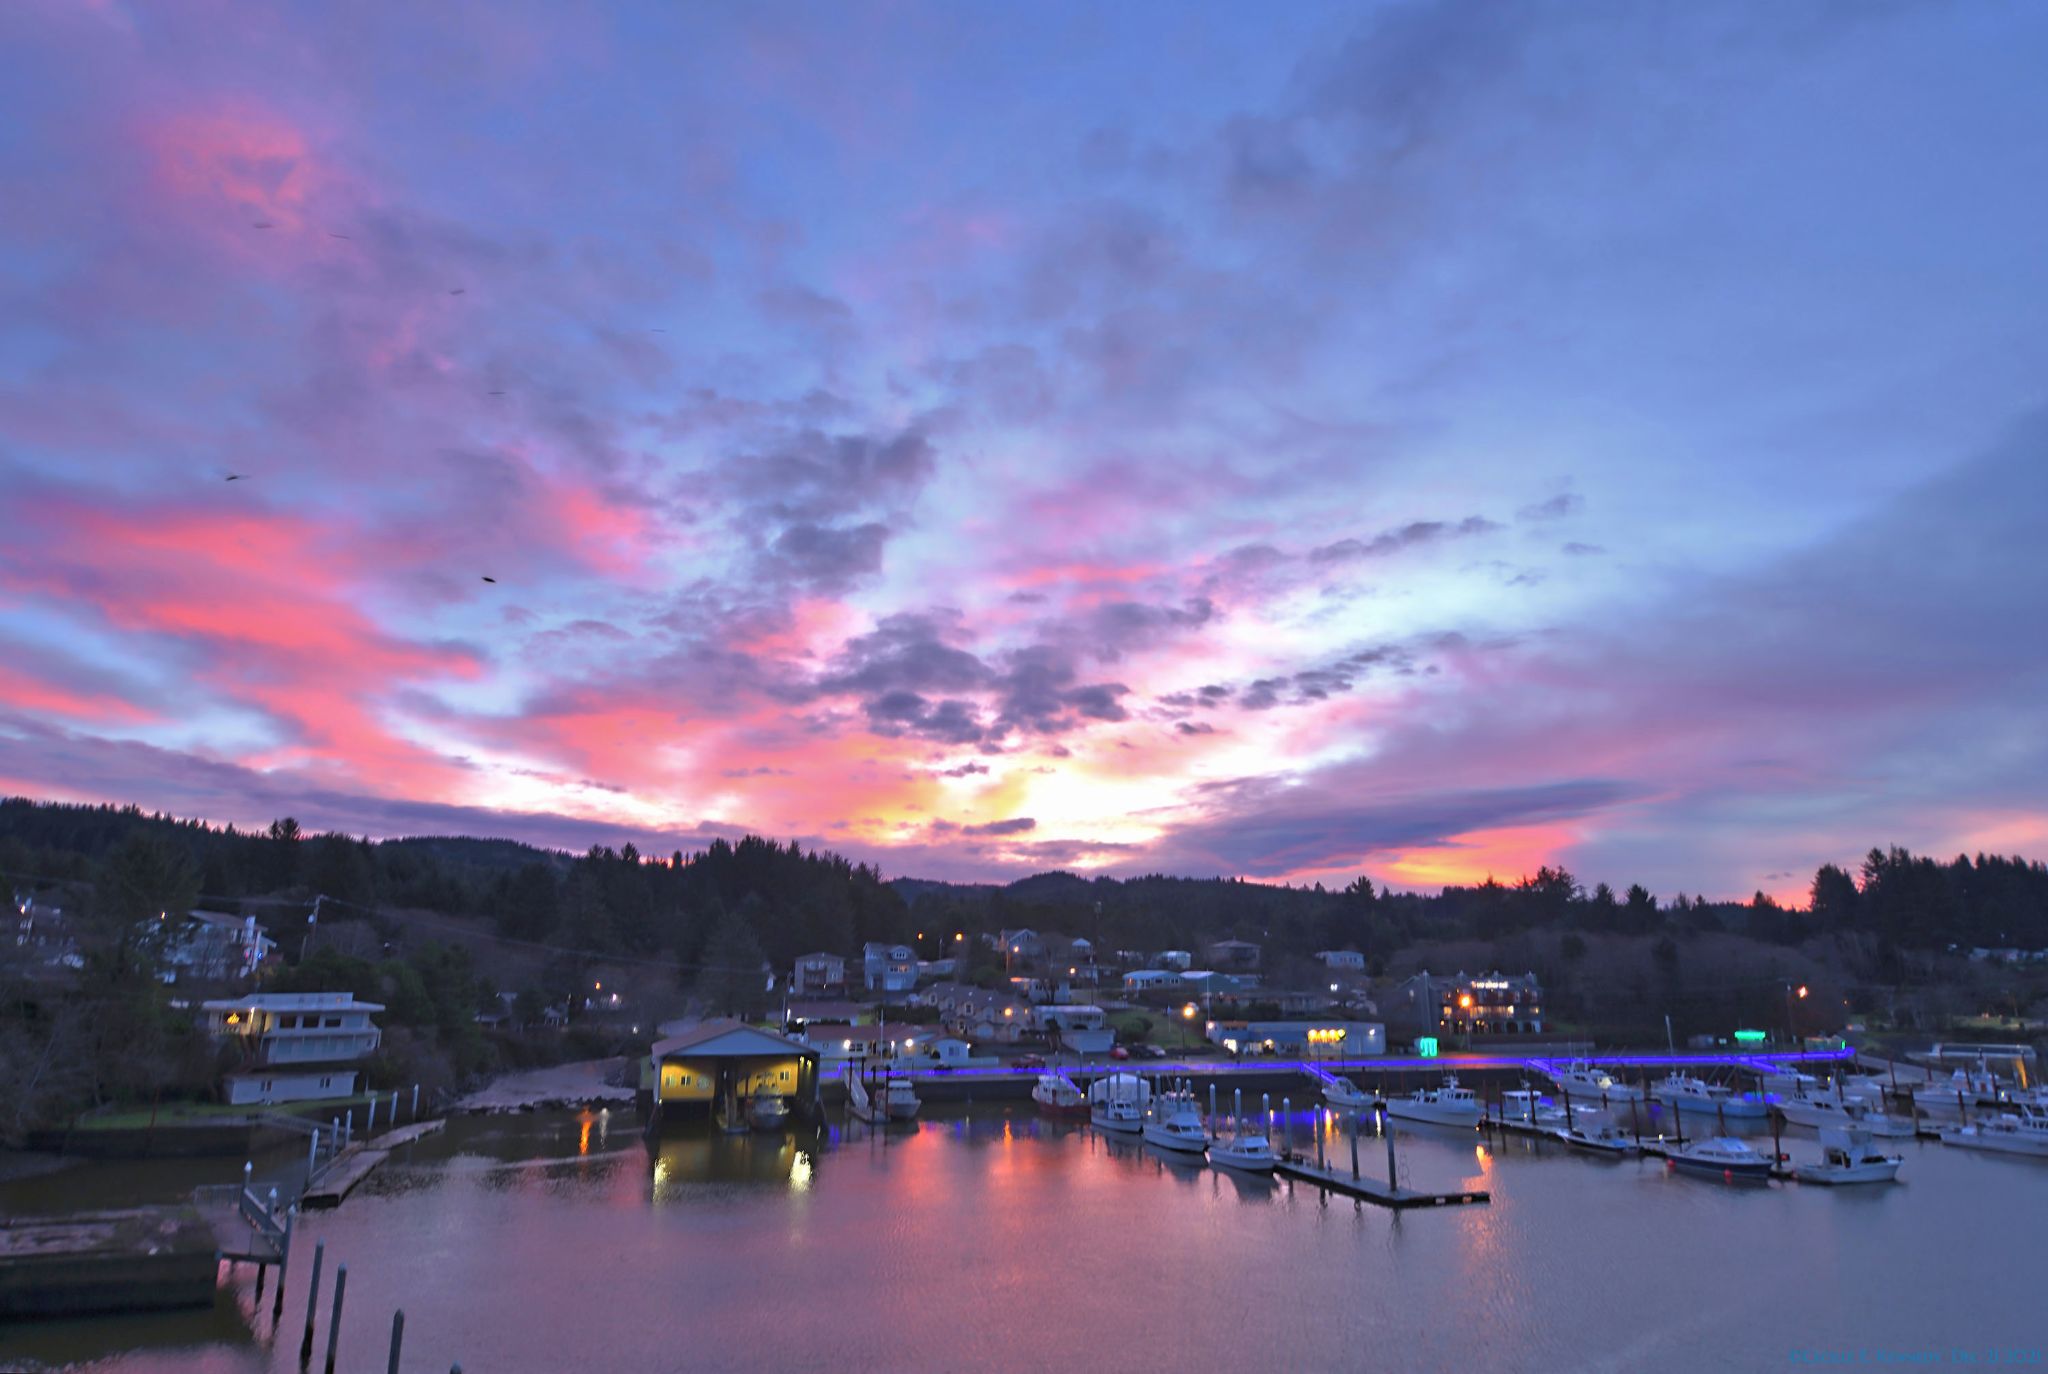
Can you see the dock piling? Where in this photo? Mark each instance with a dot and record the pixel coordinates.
(312, 1154)
(415, 1102)
(370, 1125)
(334, 1323)
(397, 1339)
(312, 1302)
(284, 1259)
(1387, 1129)
(1354, 1145)
(1287, 1121)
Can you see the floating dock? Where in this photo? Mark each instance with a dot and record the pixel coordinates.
(1293, 1166)
(144, 1257)
(356, 1162)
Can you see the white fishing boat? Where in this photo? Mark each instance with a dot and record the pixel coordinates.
(1342, 1095)
(1057, 1095)
(1118, 1103)
(2024, 1134)
(1596, 1136)
(1823, 1111)
(768, 1112)
(1250, 1150)
(1724, 1157)
(1964, 1090)
(1588, 1082)
(1847, 1156)
(1525, 1106)
(1694, 1094)
(1784, 1082)
(1448, 1105)
(899, 1100)
(1175, 1122)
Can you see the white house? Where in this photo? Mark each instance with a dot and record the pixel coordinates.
(1174, 959)
(298, 1044)
(1083, 1029)
(889, 968)
(1341, 960)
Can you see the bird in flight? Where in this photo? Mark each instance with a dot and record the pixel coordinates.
(497, 393)
(234, 477)
(331, 234)
(491, 580)
(264, 224)
(458, 290)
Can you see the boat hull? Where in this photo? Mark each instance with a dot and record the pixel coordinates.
(1116, 1125)
(1258, 1161)
(1615, 1149)
(1971, 1139)
(1746, 1171)
(1180, 1144)
(1431, 1115)
(1839, 1175)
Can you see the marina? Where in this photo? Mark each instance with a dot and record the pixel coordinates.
(498, 1237)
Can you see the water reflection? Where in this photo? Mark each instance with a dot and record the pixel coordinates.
(686, 1163)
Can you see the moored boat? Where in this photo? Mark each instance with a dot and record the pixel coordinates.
(1342, 1095)
(1117, 1103)
(1057, 1095)
(1249, 1150)
(899, 1100)
(2024, 1134)
(1847, 1156)
(1588, 1082)
(1175, 1123)
(1691, 1093)
(1524, 1106)
(768, 1112)
(1596, 1136)
(1822, 1111)
(1448, 1105)
(1723, 1157)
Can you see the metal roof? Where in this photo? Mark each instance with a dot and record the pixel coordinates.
(728, 1038)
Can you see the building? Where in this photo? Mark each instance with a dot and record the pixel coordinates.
(1489, 1004)
(216, 947)
(298, 1046)
(818, 973)
(983, 1015)
(1307, 1038)
(1153, 980)
(1341, 960)
(1234, 955)
(889, 968)
(719, 1066)
(1174, 959)
(1082, 1029)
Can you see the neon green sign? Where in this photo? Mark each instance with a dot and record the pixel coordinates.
(1749, 1037)
(1426, 1047)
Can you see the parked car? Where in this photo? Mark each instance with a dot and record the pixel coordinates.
(1028, 1061)
(1119, 1052)
(1149, 1051)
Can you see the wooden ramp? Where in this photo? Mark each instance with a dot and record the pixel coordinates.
(1371, 1190)
(341, 1174)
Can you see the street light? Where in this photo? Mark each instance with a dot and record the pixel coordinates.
(1187, 1015)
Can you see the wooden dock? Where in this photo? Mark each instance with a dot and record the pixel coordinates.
(355, 1163)
(1300, 1167)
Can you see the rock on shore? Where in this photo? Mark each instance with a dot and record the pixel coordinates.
(591, 1083)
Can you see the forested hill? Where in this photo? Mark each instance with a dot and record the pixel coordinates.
(788, 901)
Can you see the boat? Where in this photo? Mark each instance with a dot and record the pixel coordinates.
(1175, 1123)
(859, 1105)
(1963, 1090)
(1722, 1156)
(1342, 1095)
(1586, 1080)
(1782, 1081)
(899, 1099)
(1117, 1103)
(1056, 1095)
(1691, 1093)
(768, 1112)
(1599, 1137)
(2024, 1134)
(1847, 1156)
(1526, 1107)
(1449, 1105)
(1823, 1112)
(1249, 1150)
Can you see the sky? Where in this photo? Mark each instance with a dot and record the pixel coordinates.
(1427, 440)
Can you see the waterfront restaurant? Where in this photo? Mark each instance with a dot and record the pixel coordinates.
(724, 1063)
(1490, 1004)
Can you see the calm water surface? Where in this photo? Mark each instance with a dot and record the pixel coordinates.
(988, 1237)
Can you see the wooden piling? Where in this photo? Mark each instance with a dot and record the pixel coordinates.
(1387, 1130)
(334, 1323)
(284, 1259)
(397, 1339)
(1354, 1145)
(1569, 1124)
(312, 1302)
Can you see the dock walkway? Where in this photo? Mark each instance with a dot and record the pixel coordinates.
(1298, 1166)
(338, 1178)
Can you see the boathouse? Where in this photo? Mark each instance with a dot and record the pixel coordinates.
(720, 1066)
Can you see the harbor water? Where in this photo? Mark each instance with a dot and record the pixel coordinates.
(988, 1237)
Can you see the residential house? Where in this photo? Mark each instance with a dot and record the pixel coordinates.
(1082, 1029)
(1234, 956)
(216, 947)
(1177, 959)
(821, 972)
(298, 1046)
(1151, 980)
(1341, 960)
(889, 968)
